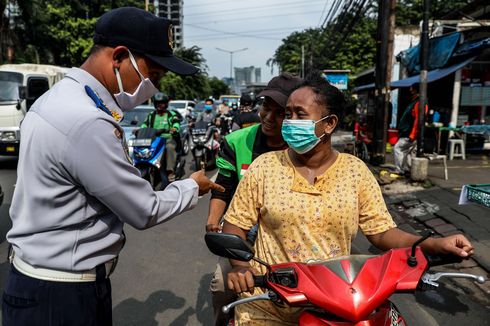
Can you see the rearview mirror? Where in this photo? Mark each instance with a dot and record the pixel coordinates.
(229, 246)
(22, 92)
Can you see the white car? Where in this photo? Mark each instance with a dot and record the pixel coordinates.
(183, 107)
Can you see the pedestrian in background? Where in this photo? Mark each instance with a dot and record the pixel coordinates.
(408, 130)
(76, 186)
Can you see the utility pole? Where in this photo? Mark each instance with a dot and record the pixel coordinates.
(384, 65)
(424, 58)
(231, 59)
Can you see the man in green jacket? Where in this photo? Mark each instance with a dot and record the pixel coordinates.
(168, 125)
(237, 152)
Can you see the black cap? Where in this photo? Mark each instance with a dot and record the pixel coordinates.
(280, 87)
(143, 33)
(246, 99)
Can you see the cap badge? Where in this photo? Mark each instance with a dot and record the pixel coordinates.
(171, 36)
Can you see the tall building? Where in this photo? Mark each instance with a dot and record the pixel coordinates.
(247, 75)
(173, 10)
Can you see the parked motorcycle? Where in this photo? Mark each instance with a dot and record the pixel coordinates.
(204, 147)
(148, 149)
(349, 290)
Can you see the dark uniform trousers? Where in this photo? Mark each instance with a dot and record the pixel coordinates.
(29, 301)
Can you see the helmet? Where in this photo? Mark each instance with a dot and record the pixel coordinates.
(160, 98)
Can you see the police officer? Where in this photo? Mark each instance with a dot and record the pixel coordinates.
(76, 186)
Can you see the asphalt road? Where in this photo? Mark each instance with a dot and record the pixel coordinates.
(163, 275)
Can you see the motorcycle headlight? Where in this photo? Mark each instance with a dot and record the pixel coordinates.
(144, 153)
(8, 136)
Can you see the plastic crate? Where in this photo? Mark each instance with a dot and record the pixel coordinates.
(479, 194)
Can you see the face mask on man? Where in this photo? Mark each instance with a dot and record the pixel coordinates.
(208, 107)
(144, 92)
(300, 134)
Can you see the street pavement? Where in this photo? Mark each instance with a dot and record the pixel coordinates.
(163, 275)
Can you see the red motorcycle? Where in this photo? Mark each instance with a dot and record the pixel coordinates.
(350, 290)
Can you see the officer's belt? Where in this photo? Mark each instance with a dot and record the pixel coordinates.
(60, 276)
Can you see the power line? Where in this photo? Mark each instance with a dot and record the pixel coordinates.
(229, 33)
(254, 8)
(209, 3)
(255, 31)
(323, 11)
(231, 36)
(254, 18)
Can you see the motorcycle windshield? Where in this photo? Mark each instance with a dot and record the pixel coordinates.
(352, 287)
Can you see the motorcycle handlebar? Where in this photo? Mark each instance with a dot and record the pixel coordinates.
(260, 281)
(438, 260)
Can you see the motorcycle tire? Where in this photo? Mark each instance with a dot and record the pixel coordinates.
(198, 163)
(186, 146)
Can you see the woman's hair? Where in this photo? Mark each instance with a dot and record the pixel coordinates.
(326, 95)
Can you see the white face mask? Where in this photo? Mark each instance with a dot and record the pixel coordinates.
(143, 93)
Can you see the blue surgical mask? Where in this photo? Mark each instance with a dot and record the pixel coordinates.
(300, 134)
(208, 107)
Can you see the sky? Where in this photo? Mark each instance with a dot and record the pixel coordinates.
(259, 25)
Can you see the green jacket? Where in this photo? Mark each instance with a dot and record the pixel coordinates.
(237, 151)
(172, 119)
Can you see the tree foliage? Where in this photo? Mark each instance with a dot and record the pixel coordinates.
(60, 32)
(409, 12)
(356, 51)
(198, 86)
(349, 42)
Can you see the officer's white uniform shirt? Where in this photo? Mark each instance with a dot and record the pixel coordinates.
(75, 187)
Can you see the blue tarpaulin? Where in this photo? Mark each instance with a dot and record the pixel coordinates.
(431, 76)
(440, 51)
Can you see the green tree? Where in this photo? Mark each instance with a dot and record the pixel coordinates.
(409, 12)
(325, 49)
(218, 87)
(188, 87)
(59, 31)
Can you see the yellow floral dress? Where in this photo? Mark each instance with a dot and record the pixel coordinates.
(303, 222)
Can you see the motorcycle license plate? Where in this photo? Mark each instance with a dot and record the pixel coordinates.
(10, 149)
(142, 142)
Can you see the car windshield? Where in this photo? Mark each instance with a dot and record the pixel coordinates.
(177, 105)
(135, 118)
(9, 85)
(199, 107)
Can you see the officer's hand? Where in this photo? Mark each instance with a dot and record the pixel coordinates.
(240, 279)
(172, 130)
(204, 183)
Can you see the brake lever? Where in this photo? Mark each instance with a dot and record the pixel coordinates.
(432, 279)
(265, 296)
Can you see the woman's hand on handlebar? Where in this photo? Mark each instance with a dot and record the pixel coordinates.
(241, 279)
(454, 244)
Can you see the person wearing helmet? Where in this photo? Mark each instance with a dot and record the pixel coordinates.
(168, 125)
